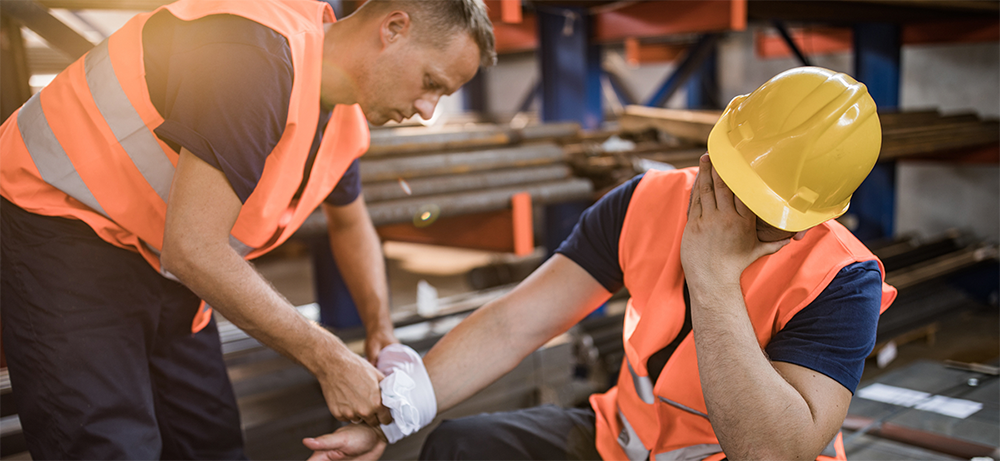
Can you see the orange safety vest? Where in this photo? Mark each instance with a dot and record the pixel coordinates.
(84, 148)
(668, 420)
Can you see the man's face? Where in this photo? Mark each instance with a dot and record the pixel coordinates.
(409, 77)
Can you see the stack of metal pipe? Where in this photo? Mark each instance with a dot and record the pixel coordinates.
(408, 171)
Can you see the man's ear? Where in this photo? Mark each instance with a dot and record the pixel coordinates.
(800, 235)
(395, 27)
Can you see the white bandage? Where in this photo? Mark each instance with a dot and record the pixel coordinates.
(406, 391)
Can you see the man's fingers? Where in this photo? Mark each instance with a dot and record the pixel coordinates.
(741, 207)
(723, 196)
(384, 416)
(706, 187)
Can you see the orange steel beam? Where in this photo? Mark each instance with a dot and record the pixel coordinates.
(828, 40)
(523, 227)
(503, 11)
(637, 52)
(818, 41)
(658, 19)
(512, 38)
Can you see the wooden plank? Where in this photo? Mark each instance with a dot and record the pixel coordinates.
(684, 124)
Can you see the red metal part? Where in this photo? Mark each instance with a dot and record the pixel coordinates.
(658, 19)
(490, 231)
(829, 40)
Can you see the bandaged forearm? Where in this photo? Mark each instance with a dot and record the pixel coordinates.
(406, 391)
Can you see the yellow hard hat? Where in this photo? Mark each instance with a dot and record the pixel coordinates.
(796, 148)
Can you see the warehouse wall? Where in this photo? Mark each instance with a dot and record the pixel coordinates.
(933, 197)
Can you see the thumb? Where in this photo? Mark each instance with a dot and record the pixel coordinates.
(324, 442)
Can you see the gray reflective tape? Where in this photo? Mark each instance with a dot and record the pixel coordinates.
(694, 452)
(241, 248)
(683, 407)
(131, 132)
(643, 385)
(628, 439)
(49, 157)
(831, 448)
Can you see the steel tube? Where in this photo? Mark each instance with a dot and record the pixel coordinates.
(401, 141)
(460, 162)
(419, 187)
(397, 211)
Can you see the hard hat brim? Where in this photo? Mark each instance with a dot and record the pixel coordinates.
(754, 193)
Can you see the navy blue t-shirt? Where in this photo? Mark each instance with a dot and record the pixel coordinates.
(223, 84)
(832, 335)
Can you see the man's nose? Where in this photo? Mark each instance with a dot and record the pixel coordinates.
(425, 106)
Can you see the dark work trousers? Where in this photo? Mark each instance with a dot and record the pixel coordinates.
(102, 361)
(545, 432)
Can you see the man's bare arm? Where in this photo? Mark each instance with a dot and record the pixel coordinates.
(495, 338)
(200, 215)
(488, 344)
(758, 409)
(357, 251)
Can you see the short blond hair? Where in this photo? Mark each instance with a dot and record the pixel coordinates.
(439, 20)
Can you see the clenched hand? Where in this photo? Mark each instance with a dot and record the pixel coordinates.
(350, 387)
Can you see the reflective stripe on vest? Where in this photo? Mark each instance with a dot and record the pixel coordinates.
(128, 127)
(683, 407)
(694, 452)
(628, 439)
(643, 385)
(48, 155)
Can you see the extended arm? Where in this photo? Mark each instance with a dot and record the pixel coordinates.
(200, 214)
(758, 409)
(356, 249)
(485, 346)
(495, 338)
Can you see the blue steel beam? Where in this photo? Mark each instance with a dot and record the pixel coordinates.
(695, 56)
(570, 67)
(703, 85)
(877, 65)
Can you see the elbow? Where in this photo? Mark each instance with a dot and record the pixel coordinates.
(785, 449)
(176, 258)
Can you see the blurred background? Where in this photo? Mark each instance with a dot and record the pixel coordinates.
(585, 95)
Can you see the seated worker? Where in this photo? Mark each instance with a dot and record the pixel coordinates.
(751, 310)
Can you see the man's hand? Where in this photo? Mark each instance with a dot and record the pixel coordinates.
(351, 389)
(376, 339)
(720, 238)
(354, 441)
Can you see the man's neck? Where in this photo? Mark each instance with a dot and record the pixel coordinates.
(340, 46)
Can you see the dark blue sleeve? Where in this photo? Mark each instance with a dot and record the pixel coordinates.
(593, 244)
(348, 188)
(836, 332)
(223, 85)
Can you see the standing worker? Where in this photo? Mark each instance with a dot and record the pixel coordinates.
(739, 256)
(137, 183)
